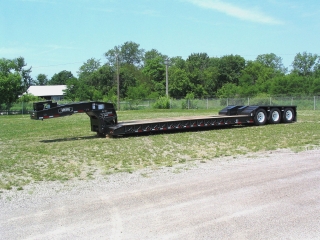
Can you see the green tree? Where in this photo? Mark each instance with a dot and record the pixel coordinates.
(305, 64)
(291, 84)
(10, 82)
(211, 75)
(228, 90)
(247, 86)
(155, 70)
(20, 65)
(89, 67)
(10, 87)
(77, 90)
(61, 78)
(255, 78)
(316, 86)
(102, 79)
(178, 62)
(141, 91)
(230, 69)
(6, 66)
(197, 65)
(127, 53)
(28, 98)
(128, 78)
(272, 61)
(153, 53)
(42, 79)
(179, 83)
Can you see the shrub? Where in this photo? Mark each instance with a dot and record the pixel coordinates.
(162, 103)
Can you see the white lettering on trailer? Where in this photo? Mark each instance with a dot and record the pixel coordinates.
(66, 109)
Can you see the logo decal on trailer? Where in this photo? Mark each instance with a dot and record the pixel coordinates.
(66, 109)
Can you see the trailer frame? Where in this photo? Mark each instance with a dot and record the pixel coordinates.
(104, 120)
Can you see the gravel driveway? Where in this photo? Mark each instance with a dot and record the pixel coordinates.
(267, 196)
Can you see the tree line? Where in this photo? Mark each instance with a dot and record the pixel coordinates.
(142, 75)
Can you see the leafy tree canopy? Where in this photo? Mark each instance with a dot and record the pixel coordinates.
(306, 64)
(61, 78)
(127, 53)
(42, 79)
(271, 60)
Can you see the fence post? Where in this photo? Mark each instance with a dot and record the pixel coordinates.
(227, 101)
(314, 103)
(207, 104)
(270, 101)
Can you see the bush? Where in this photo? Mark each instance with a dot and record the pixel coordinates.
(29, 98)
(260, 99)
(189, 102)
(162, 103)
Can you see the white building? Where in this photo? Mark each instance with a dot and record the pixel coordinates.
(49, 92)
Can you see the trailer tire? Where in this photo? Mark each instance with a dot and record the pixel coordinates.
(101, 135)
(288, 115)
(260, 117)
(274, 116)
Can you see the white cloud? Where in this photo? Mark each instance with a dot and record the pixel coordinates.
(235, 11)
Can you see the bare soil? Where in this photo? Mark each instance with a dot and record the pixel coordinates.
(274, 195)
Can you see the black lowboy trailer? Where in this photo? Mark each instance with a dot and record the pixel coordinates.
(104, 121)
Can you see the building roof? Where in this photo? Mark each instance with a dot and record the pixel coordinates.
(51, 90)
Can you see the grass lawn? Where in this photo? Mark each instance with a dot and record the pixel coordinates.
(64, 148)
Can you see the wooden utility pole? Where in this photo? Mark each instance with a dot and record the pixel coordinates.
(118, 83)
(167, 84)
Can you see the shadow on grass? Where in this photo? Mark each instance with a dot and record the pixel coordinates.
(69, 139)
(173, 131)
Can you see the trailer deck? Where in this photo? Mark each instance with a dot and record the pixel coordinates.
(164, 124)
(104, 120)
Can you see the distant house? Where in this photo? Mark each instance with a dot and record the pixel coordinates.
(50, 92)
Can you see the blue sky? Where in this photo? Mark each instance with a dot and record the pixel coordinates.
(56, 35)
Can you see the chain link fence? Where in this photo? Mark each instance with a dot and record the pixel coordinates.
(303, 103)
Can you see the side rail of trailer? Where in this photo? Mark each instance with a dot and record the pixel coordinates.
(104, 120)
(231, 115)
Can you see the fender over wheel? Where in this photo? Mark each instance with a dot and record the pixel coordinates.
(260, 117)
(274, 116)
(288, 115)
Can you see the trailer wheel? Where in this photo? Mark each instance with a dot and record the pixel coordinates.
(275, 116)
(101, 135)
(288, 115)
(261, 117)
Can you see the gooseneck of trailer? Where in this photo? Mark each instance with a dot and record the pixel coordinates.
(102, 115)
(104, 121)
